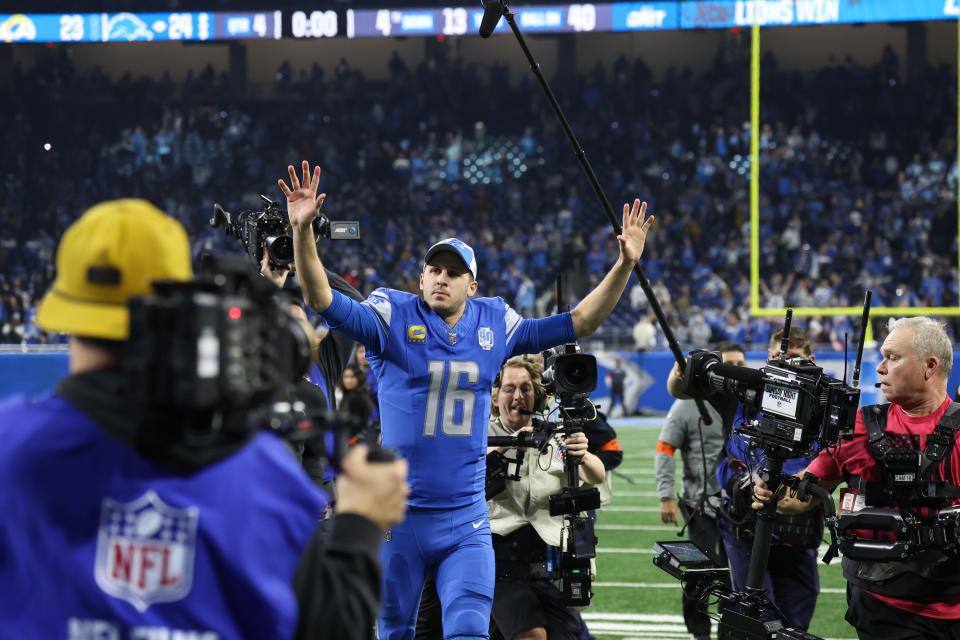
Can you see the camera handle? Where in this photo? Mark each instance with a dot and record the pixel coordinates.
(806, 487)
(572, 466)
(760, 553)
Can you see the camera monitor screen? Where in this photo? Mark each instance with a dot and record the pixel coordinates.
(684, 552)
(781, 400)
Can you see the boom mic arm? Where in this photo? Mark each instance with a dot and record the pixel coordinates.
(864, 322)
(490, 19)
(493, 10)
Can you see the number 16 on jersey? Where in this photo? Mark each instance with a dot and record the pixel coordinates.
(449, 389)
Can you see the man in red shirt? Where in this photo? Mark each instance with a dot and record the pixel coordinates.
(917, 357)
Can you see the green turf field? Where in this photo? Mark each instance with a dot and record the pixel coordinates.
(633, 598)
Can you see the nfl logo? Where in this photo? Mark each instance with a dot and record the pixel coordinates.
(145, 550)
(452, 337)
(485, 338)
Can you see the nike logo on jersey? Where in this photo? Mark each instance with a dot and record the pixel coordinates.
(476, 525)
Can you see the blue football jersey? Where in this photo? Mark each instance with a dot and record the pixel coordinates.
(435, 381)
(99, 542)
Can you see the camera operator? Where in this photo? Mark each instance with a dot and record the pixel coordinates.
(523, 373)
(919, 596)
(526, 604)
(699, 447)
(111, 531)
(792, 580)
(329, 357)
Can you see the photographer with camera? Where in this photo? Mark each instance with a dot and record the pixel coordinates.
(122, 521)
(436, 356)
(526, 603)
(791, 579)
(902, 470)
(699, 447)
(329, 357)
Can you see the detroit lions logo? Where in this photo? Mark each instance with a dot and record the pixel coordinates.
(145, 550)
(485, 338)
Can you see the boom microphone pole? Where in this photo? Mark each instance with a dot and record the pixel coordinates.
(493, 10)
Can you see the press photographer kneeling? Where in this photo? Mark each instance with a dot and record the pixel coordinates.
(527, 538)
(899, 524)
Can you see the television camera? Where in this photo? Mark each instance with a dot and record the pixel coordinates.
(224, 353)
(570, 376)
(799, 405)
(268, 230)
(801, 411)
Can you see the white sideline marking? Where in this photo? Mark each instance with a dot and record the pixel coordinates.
(662, 630)
(676, 585)
(635, 527)
(640, 509)
(640, 585)
(635, 494)
(648, 635)
(613, 550)
(636, 617)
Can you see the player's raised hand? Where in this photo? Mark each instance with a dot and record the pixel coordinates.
(635, 227)
(303, 203)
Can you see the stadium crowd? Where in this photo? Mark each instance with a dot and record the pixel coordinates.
(844, 205)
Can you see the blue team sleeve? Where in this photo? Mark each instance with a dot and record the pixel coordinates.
(359, 321)
(525, 335)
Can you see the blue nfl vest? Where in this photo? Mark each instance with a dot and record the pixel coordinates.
(98, 542)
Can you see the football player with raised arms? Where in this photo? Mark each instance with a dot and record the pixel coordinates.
(436, 356)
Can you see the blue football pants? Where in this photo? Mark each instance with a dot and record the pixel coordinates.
(454, 546)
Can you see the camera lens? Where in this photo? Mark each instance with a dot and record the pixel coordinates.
(280, 249)
(576, 375)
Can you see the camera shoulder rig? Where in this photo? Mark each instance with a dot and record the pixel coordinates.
(908, 474)
(909, 528)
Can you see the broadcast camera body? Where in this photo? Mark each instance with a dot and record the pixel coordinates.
(268, 228)
(570, 376)
(224, 352)
(802, 410)
(798, 403)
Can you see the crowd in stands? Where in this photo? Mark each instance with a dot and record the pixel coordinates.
(858, 179)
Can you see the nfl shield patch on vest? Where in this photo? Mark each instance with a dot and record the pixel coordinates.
(145, 550)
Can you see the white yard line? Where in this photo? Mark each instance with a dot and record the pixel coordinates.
(676, 585)
(635, 494)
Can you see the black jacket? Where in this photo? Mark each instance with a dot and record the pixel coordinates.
(333, 355)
